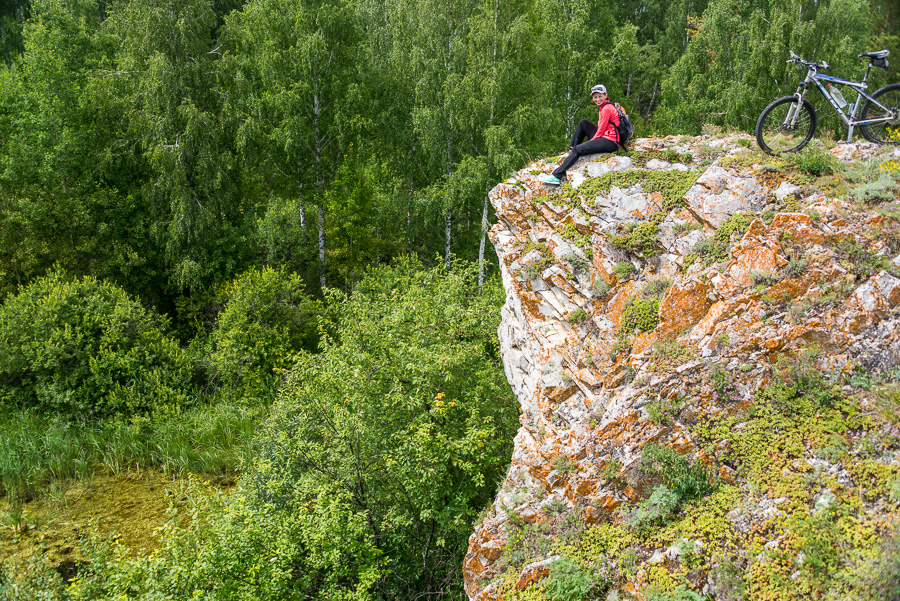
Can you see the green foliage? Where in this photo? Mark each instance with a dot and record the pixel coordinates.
(267, 318)
(579, 265)
(428, 405)
(679, 593)
(688, 480)
(640, 238)
(624, 269)
(600, 287)
(654, 510)
(708, 250)
(80, 347)
(640, 315)
(656, 288)
(735, 224)
(38, 450)
(577, 316)
(669, 354)
(815, 160)
(883, 189)
(796, 267)
(567, 581)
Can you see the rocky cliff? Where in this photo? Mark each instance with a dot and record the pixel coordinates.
(704, 341)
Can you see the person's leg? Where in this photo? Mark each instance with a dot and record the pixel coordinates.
(600, 145)
(560, 172)
(589, 147)
(584, 130)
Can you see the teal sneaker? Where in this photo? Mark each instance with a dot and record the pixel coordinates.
(549, 179)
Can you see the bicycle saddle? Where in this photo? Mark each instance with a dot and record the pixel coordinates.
(875, 55)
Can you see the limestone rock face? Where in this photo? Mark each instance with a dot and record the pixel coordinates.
(585, 376)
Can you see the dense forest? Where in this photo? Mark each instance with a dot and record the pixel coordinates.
(250, 237)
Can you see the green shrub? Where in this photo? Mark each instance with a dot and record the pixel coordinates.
(709, 251)
(796, 267)
(567, 581)
(735, 224)
(883, 189)
(640, 314)
(656, 288)
(814, 160)
(686, 479)
(640, 238)
(577, 316)
(624, 270)
(679, 593)
(654, 510)
(578, 264)
(600, 287)
(82, 347)
(266, 320)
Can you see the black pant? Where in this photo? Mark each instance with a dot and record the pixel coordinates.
(585, 129)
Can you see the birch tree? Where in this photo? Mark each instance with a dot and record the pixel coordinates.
(294, 93)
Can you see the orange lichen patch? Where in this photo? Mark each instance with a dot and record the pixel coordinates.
(532, 575)
(632, 494)
(755, 252)
(642, 342)
(616, 304)
(713, 316)
(683, 306)
(583, 487)
(798, 226)
(888, 286)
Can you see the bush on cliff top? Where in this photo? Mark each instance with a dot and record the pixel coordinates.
(83, 347)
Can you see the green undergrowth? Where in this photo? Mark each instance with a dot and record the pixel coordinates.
(41, 455)
(810, 474)
(672, 185)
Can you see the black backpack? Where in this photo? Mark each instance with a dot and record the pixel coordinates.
(625, 129)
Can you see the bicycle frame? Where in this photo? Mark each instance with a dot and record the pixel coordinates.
(813, 77)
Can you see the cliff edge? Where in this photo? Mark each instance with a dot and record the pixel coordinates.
(704, 341)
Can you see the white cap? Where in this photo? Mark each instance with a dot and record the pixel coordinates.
(598, 88)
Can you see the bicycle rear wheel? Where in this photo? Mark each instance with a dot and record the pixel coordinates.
(785, 126)
(886, 132)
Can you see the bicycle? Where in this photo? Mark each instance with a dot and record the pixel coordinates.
(788, 123)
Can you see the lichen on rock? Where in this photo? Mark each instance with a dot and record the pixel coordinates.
(736, 319)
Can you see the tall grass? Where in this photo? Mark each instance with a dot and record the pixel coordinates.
(37, 451)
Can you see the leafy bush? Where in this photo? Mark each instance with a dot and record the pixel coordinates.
(624, 269)
(679, 593)
(640, 238)
(656, 288)
(640, 314)
(267, 318)
(577, 316)
(654, 510)
(83, 347)
(409, 385)
(600, 287)
(686, 479)
(735, 224)
(567, 581)
(814, 160)
(883, 189)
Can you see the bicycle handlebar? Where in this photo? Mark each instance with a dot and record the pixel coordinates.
(809, 65)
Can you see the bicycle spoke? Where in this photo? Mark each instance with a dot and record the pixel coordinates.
(786, 127)
(885, 104)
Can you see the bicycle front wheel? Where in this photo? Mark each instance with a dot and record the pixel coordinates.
(887, 131)
(785, 125)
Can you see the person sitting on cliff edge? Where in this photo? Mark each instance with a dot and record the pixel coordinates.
(601, 137)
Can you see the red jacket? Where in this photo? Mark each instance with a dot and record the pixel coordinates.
(606, 122)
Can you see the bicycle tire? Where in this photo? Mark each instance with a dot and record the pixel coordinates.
(775, 138)
(886, 132)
